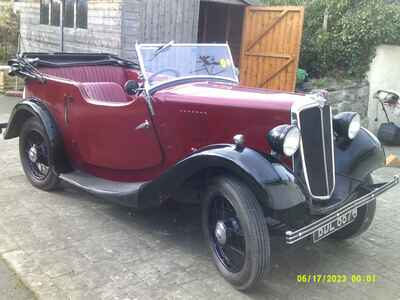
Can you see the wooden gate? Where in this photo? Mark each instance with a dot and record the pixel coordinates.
(270, 48)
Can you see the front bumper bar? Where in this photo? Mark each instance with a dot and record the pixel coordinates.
(295, 236)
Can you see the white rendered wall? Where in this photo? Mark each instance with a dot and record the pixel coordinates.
(384, 74)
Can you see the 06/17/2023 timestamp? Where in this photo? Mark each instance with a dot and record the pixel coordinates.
(336, 278)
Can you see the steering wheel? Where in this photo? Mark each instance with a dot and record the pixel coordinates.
(175, 72)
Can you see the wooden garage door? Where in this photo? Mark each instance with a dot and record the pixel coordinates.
(271, 46)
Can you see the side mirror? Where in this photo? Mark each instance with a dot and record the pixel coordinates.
(131, 87)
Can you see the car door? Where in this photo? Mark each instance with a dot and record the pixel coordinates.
(117, 136)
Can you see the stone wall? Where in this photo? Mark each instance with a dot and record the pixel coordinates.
(346, 95)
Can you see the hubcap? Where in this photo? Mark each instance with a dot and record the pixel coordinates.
(33, 155)
(220, 232)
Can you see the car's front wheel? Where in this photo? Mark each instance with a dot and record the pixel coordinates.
(236, 232)
(35, 155)
(365, 216)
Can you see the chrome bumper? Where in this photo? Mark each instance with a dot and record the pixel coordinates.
(295, 236)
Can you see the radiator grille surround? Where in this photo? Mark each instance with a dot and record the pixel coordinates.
(315, 161)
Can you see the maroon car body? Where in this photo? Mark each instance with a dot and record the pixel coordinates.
(99, 137)
(255, 159)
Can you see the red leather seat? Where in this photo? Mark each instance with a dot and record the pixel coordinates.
(97, 83)
(89, 73)
(103, 91)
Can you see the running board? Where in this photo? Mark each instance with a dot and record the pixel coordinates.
(124, 193)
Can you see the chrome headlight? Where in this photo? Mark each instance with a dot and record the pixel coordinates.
(347, 124)
(284, 139)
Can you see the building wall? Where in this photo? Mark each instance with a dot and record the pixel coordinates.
(165, 20)
(102, 35)
(384, 74)
(158, 21)
(131, 17)
(114, 26)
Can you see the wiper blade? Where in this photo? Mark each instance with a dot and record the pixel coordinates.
(161, 49)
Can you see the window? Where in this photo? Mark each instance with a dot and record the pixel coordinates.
(55, 13)
(75, 13)
(44, 11)
(69, 15)
(81, 14)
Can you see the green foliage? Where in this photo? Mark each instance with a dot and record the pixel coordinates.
(301, 76)
(347, 44)
(8, 32)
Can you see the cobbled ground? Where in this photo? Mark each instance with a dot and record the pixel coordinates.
(70, 245)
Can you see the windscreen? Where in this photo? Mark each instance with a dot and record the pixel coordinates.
(162, 63)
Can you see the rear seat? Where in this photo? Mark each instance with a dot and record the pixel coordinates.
(98, 83)
(89, 73)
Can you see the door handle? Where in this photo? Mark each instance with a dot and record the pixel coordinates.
(145, 125)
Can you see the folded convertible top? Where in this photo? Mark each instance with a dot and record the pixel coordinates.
(27, 64)
(40, 59)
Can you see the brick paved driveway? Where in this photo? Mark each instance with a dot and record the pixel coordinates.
(68, 245)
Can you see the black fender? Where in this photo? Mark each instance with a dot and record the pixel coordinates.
(355, 160)
(272, 183)
(33, 107)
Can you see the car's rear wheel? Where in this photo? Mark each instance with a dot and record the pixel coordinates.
(236, 232)
(35, 155)
(365, 216)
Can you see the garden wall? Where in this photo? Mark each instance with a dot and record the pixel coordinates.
(346, 95)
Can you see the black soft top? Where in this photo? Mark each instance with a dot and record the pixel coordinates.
(56, 60)
(27, 64)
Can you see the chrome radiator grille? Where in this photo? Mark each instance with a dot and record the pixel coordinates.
(315, 161)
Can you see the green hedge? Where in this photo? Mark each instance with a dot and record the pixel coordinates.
(348, 43)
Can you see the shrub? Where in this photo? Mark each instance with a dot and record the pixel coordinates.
(346, 46)
(8, 33)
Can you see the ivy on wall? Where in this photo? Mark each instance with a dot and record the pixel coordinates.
(340, 36)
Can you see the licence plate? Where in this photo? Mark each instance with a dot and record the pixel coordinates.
(341, 221)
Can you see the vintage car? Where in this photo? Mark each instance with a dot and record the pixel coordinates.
(177, 125)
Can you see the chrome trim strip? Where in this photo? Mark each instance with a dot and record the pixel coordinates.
(321, 112)
(296, 109)
(295, 236)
